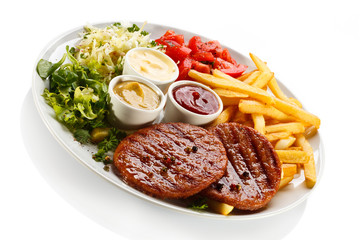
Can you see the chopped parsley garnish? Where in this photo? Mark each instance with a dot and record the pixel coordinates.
(82, 135)
(144, 33)
(199, 204)
(117, 24)
(108, 144)
(134, 28)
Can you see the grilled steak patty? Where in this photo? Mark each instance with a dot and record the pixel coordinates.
(171, 160)
(253, 172)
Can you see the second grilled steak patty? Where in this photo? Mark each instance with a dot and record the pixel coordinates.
(253, 172)
(171, 160)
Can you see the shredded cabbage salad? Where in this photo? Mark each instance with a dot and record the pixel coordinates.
(103, 49)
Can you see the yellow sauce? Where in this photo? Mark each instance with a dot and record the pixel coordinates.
(137, 95)
(152, 65)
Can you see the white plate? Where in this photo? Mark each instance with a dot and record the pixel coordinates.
(285, 199)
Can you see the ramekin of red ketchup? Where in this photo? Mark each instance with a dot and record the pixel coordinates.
(191, 102)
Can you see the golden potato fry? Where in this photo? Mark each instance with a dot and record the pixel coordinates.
(259, 122)
(273, 85)
(236, 85)
(251, 106)
(220, 74)
(295, 148)
(310, 131)
(276, 90)
(285, 181)
(259, 63)
(250, 79)
(293, 127)
(229, 97)
(270, 121)
(240, 117)
(292, 156)
(297, 112)
(262, 80)
(277, 135)
(228, 93)
(296, 102)
(229, 101)
(285, 143)
(219, 207)
(309, 167)
(288, 169)
(224, 116)
(246, 75)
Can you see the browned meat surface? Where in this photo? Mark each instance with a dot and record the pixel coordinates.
(253, 172)
(172, 160)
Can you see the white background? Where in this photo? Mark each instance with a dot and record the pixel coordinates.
(312, 46)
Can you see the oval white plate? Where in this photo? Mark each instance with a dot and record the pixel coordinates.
(285, 199)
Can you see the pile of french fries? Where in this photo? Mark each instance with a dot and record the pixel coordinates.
(256, 100)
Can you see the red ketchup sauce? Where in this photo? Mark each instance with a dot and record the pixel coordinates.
(196, 99)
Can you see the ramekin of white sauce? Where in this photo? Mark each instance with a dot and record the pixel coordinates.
(152, 65)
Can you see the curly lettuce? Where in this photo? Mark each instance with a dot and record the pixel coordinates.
(76, 94)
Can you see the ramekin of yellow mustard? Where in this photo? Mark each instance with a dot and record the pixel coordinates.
(134, 102)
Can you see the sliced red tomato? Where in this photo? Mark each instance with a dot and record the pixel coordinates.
(170, 35)
(225, 55)
(203, 56)
(178, 53)
(212, 46)
(195, 43)
(234, 70)
(201, 67)
(184, 67)
(197, 53)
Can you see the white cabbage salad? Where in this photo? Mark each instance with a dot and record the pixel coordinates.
(103, 49)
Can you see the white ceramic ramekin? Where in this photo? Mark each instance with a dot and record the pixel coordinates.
(125, 116)
(174, 112)
(163, 85)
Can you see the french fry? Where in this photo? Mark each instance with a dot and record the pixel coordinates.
(250, 79)
(236, 85)
(251, 106)
(297, 112)
(276, 90)
(285, 181)
(293, 127)
(229, 97)
(288, 170)
(309, 167)
(277, 135)
(239, 117)
(284, 143)
(259, 122)
(273, 85)
(310, 131)
(292, 156)
(229, 93)
(246, 75)
(219, 207)
(259, 63)
(296, 102)
(295, 148)
(262, 80)
(224, 116)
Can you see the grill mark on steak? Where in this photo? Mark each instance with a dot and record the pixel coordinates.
(253, 160)
(255, 164)
(150, 149)
(259, 149)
